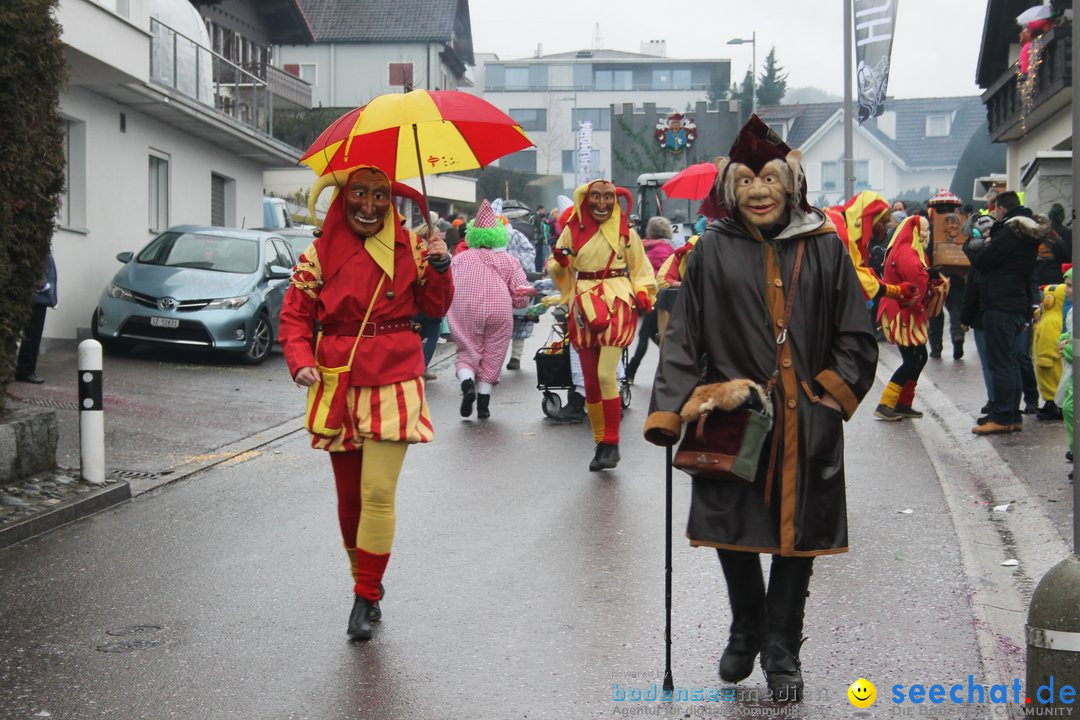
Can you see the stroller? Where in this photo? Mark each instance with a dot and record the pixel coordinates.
(553, 367)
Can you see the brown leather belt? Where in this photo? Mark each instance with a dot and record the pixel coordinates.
(603, 274)
(372, 329)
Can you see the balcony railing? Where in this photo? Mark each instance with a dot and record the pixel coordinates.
(283, 85)
(193, 70)
(1016, 103)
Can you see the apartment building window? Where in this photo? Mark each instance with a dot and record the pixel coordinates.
(517, 78)
(661, 79)
(937, 125)
(829, 174)
(681, 80)
(222, 201)
(599, 117)
(531, 119)
(401, 74)
(613, 80)
(72, 211)
(120, 7)
(158, 216)
(832, 175)
(308, 72)
(521, 161)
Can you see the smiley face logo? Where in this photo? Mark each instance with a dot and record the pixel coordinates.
(862, 693)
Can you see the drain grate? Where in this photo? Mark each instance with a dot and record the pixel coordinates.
(136, 474)
(46, 402)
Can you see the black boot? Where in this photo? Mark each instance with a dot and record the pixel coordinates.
(785, 602)
(360, 619)
(375, 615)
(468, 394)
(631, 369)
(573, 410)
(746, 591)
(606, 457)
(958, 347)
(482, 402)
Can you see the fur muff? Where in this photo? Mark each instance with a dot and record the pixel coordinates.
(728, 395)
(1034, 229)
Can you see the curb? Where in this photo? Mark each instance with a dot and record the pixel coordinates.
(68, 512)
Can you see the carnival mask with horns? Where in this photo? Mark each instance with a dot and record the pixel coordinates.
(761, 178)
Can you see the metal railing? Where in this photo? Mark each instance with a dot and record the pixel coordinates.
(283, 85)
(193, 70)
(1008, 104)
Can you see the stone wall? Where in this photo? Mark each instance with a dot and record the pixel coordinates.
(635, 150)
(28, 439)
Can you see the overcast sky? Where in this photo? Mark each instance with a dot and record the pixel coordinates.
(934, 53)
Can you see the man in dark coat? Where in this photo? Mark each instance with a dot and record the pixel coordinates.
(1006, 297)
(727, 325)
(26, 364)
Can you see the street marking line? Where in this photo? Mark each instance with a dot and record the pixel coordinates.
(974, 477)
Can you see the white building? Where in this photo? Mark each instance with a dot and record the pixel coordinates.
(913, 147)
(363, 49)
(160, 131)
(1030, 113)
(551, 95)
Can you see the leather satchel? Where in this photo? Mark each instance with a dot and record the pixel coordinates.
(727, 424)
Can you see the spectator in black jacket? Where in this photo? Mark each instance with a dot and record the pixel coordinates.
(1005, 267)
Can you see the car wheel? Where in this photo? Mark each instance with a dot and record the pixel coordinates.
(109, 345)
(262, 339)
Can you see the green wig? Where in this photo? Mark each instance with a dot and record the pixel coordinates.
(491, 238)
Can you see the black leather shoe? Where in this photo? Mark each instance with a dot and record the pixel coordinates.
(468, 395)
(482, 404)
(737, 662)
(31, 378)
(375, 615)
(783, 671)
(514, 364)
(360, 619)
(607, 457)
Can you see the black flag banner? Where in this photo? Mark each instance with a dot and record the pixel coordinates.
(874, 23)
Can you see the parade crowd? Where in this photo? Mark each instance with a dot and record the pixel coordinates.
(768, 319)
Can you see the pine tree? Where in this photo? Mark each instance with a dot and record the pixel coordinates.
(773, 81)
(744, 92)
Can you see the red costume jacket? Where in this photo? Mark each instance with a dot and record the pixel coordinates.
(333, 283)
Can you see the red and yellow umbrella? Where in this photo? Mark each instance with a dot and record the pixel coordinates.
(417, 133)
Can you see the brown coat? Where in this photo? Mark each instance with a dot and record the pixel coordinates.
(724, 326)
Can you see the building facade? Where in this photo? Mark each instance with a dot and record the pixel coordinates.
(911, 150)
(1030, 109)
(160, 131)
(553, 95)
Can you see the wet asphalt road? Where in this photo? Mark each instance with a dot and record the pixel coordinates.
(521, 585)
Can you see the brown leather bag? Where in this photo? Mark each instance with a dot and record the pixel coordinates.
(727, 423)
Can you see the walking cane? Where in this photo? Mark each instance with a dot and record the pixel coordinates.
(669, 684)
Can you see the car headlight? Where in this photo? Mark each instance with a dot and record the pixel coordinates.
(115, 291)
(227, 303)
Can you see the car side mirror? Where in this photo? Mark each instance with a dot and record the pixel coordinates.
(278, 272)
(125, 257)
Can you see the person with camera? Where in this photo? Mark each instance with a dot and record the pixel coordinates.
(600, 269)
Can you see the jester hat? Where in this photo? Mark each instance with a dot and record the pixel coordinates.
(756, 146)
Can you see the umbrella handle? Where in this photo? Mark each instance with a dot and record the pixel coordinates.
(423, 183)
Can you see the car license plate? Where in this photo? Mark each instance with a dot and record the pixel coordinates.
(165, 322)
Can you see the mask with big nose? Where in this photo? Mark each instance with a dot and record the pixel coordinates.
(367, 201)
(762, 197)
(601, 200)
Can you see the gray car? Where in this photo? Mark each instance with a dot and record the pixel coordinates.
(202, 287)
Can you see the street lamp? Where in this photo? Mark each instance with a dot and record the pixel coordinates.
(753, 66)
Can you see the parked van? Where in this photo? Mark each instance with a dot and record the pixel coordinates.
(276, 214)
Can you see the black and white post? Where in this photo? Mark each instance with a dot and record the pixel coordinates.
(91, 413)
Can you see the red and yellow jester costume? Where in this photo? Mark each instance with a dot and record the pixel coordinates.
(904, 322)
(858, 221)
(599, 256)
(334, 284)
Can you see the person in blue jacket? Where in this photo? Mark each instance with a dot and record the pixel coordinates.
(26, 364)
